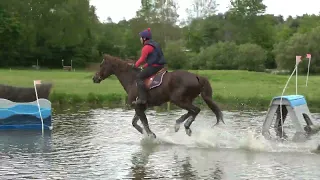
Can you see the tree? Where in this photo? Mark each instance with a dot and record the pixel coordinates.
(247, 8)
(10, 34)
(175, 55)
(299, 44)
(251, 57)
(202, 9)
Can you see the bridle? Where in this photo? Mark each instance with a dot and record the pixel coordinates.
(98, 73)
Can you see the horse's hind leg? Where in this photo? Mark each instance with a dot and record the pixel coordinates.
(135, 120)
(192, 110)
(143, 118)
(181, 120)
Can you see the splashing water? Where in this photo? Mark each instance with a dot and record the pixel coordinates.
(220, 138)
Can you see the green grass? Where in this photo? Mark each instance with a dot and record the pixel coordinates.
(231, 88)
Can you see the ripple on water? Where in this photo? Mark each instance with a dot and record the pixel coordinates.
(102, 144)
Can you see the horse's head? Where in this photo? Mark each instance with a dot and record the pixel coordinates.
(105, 70)
(111, 65)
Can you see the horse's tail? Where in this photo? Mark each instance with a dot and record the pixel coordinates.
(206, 94)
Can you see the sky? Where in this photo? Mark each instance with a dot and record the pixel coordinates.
(119, 9)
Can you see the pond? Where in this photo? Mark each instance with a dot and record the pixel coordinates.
(102, 144)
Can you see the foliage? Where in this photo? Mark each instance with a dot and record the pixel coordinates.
(251, 57)
(176, 57)
(243, 37)
(219, 56)
(230, 87)
(299, 44)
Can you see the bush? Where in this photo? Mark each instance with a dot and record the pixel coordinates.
(299, 44)
(191, 61)
(175, 56)
(285, 52)
(228, 55)
(251, 57)
(219, 56)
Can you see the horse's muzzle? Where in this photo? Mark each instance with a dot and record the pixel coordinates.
(96, 79)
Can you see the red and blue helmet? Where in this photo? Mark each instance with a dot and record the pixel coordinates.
(146, 34)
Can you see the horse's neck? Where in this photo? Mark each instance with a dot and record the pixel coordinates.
(126, 78)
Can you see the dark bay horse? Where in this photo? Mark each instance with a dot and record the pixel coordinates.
(178, 87)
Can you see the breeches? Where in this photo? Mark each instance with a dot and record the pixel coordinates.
(147, 72)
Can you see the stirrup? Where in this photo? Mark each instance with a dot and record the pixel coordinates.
(139, 101)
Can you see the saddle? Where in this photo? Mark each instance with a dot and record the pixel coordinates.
(156, 79)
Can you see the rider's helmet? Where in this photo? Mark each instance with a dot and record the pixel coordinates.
(146, 34)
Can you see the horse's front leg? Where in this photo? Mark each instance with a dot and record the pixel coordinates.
(135, 120)
(140, 111)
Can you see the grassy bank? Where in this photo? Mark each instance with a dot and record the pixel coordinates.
(232, 89)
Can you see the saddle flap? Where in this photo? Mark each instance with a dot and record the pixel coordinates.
(156, 79)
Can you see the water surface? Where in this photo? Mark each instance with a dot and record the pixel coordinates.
(102, 144)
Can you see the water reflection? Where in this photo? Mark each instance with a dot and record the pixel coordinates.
(29, 141)
(217, 173)
(78, 125)
(186, 171)
(139, 160)
(143, 166)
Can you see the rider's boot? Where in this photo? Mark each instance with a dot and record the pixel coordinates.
(142, 94)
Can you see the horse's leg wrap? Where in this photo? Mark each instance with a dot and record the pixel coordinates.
(135, 123)
(181, 120)
(193, 111)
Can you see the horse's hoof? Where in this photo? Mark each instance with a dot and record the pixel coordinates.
(188, 132)
(176, 127)
(152, 135)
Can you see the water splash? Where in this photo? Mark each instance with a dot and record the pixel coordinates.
(220, 138)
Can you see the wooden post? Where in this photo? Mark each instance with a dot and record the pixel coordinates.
(168, 103)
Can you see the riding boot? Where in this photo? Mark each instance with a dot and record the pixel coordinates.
(142, 94)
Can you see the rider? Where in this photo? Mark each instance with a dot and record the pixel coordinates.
(152, 56)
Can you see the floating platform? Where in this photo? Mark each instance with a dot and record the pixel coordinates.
(296, 107)
(25, 115)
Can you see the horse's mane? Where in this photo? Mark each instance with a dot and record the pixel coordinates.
(118, 62)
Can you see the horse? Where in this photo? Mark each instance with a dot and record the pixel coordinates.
(179, 87)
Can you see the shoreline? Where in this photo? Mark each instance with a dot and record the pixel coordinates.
(114, 100)
(232, 89)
